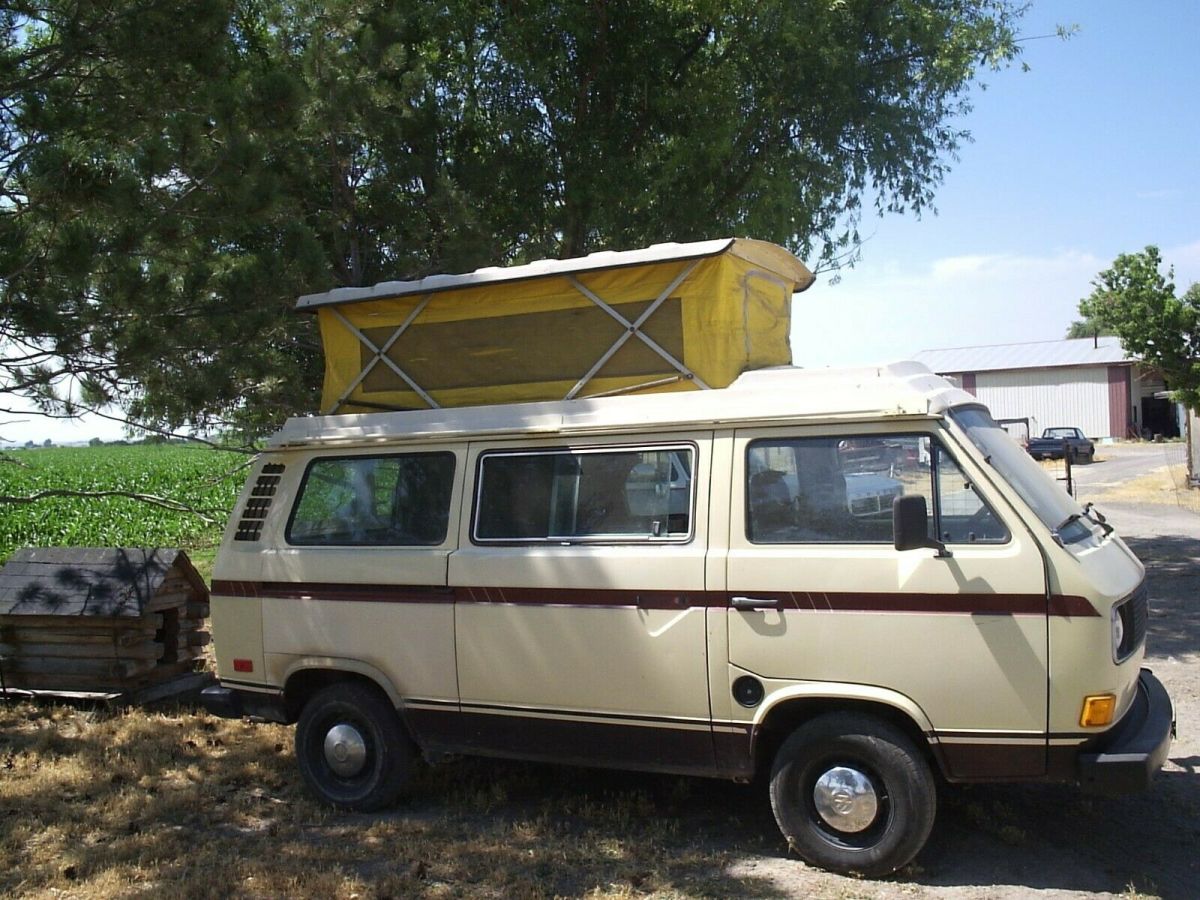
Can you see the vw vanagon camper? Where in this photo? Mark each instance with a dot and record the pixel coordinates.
(853, 581)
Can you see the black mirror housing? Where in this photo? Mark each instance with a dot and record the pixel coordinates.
(910, 525)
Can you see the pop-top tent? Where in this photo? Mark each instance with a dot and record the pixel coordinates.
(669, 317)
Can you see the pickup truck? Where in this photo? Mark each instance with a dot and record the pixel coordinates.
(1050, 445)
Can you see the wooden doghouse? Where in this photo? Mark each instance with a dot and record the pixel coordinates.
(104, 620)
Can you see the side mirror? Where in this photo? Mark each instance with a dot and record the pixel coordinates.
(910, 525)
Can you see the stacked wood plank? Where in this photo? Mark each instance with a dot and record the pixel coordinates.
(105, 620)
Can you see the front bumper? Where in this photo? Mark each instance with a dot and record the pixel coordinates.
(1126, 759)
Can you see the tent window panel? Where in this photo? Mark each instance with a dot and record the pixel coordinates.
(362, 501)
(573, 339)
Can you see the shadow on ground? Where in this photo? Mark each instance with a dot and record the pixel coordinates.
(1173, 570)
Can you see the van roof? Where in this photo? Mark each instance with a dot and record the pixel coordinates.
(764, 396)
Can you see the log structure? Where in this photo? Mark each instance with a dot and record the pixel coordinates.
(105, 620)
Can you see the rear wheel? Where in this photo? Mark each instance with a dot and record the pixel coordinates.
(352, 748)
(851, 793)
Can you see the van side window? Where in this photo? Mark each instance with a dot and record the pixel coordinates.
(585, 495)
(840, 490)
(355, 501)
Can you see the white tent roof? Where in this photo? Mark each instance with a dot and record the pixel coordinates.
(607, 259)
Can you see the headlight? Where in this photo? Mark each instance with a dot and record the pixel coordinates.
(1118, 631)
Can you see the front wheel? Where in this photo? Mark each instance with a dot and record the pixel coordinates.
(352, 748)
(852, 794)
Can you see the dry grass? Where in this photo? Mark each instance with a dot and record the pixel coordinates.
(177, 803)
(1166, 485)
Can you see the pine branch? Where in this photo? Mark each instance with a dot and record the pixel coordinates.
(208, 516)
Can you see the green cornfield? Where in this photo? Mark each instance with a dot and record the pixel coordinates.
(202, 483)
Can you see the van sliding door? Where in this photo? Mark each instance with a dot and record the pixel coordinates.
(580, 611)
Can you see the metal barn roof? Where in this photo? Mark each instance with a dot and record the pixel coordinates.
(1037, 355)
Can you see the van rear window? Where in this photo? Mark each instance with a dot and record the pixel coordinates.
(362, 501)
(585, 495)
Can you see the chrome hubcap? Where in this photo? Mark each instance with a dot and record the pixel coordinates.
(845, 799)
(345, 750)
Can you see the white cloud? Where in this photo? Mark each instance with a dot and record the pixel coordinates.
(1186, 260)
(1161, 194)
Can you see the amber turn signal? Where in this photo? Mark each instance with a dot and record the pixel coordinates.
(1097, 710)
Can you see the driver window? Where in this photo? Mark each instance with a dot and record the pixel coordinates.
(840, 489)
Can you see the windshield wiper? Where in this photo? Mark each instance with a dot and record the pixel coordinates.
(1089, 510)
(1091, 514)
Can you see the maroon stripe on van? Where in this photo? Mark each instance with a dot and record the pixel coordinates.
(302, 590)
(589, 597)
(968, 604)
(898, 602)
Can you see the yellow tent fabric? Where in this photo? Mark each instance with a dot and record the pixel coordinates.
(535, 338)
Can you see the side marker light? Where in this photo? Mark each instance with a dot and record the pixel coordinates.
(1097, 710)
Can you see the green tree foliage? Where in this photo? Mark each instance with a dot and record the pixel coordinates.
(173, 175)
(1086, 328)
(1138, 302)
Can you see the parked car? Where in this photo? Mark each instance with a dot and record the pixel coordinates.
(1055, 441)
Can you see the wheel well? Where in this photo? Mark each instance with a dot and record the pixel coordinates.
(302, 685)
(790, 715)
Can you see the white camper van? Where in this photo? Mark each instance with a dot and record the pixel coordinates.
(588, 540)
(853, 580)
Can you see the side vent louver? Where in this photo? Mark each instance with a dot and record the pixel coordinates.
(255, 511)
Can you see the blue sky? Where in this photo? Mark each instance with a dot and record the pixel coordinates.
(1093, 152)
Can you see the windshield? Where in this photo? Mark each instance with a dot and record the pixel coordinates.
(1056, 509)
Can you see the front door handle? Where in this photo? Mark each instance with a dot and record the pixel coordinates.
(754, 603)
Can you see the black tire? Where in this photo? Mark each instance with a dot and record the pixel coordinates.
(371, 728)
(883, 757)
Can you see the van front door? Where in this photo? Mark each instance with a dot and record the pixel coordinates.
(822, 604)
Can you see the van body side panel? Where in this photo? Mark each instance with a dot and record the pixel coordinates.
(236, 611)
(963, 637)
(731, 738)
(386, 606)
(237, 628)
(586, 652)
